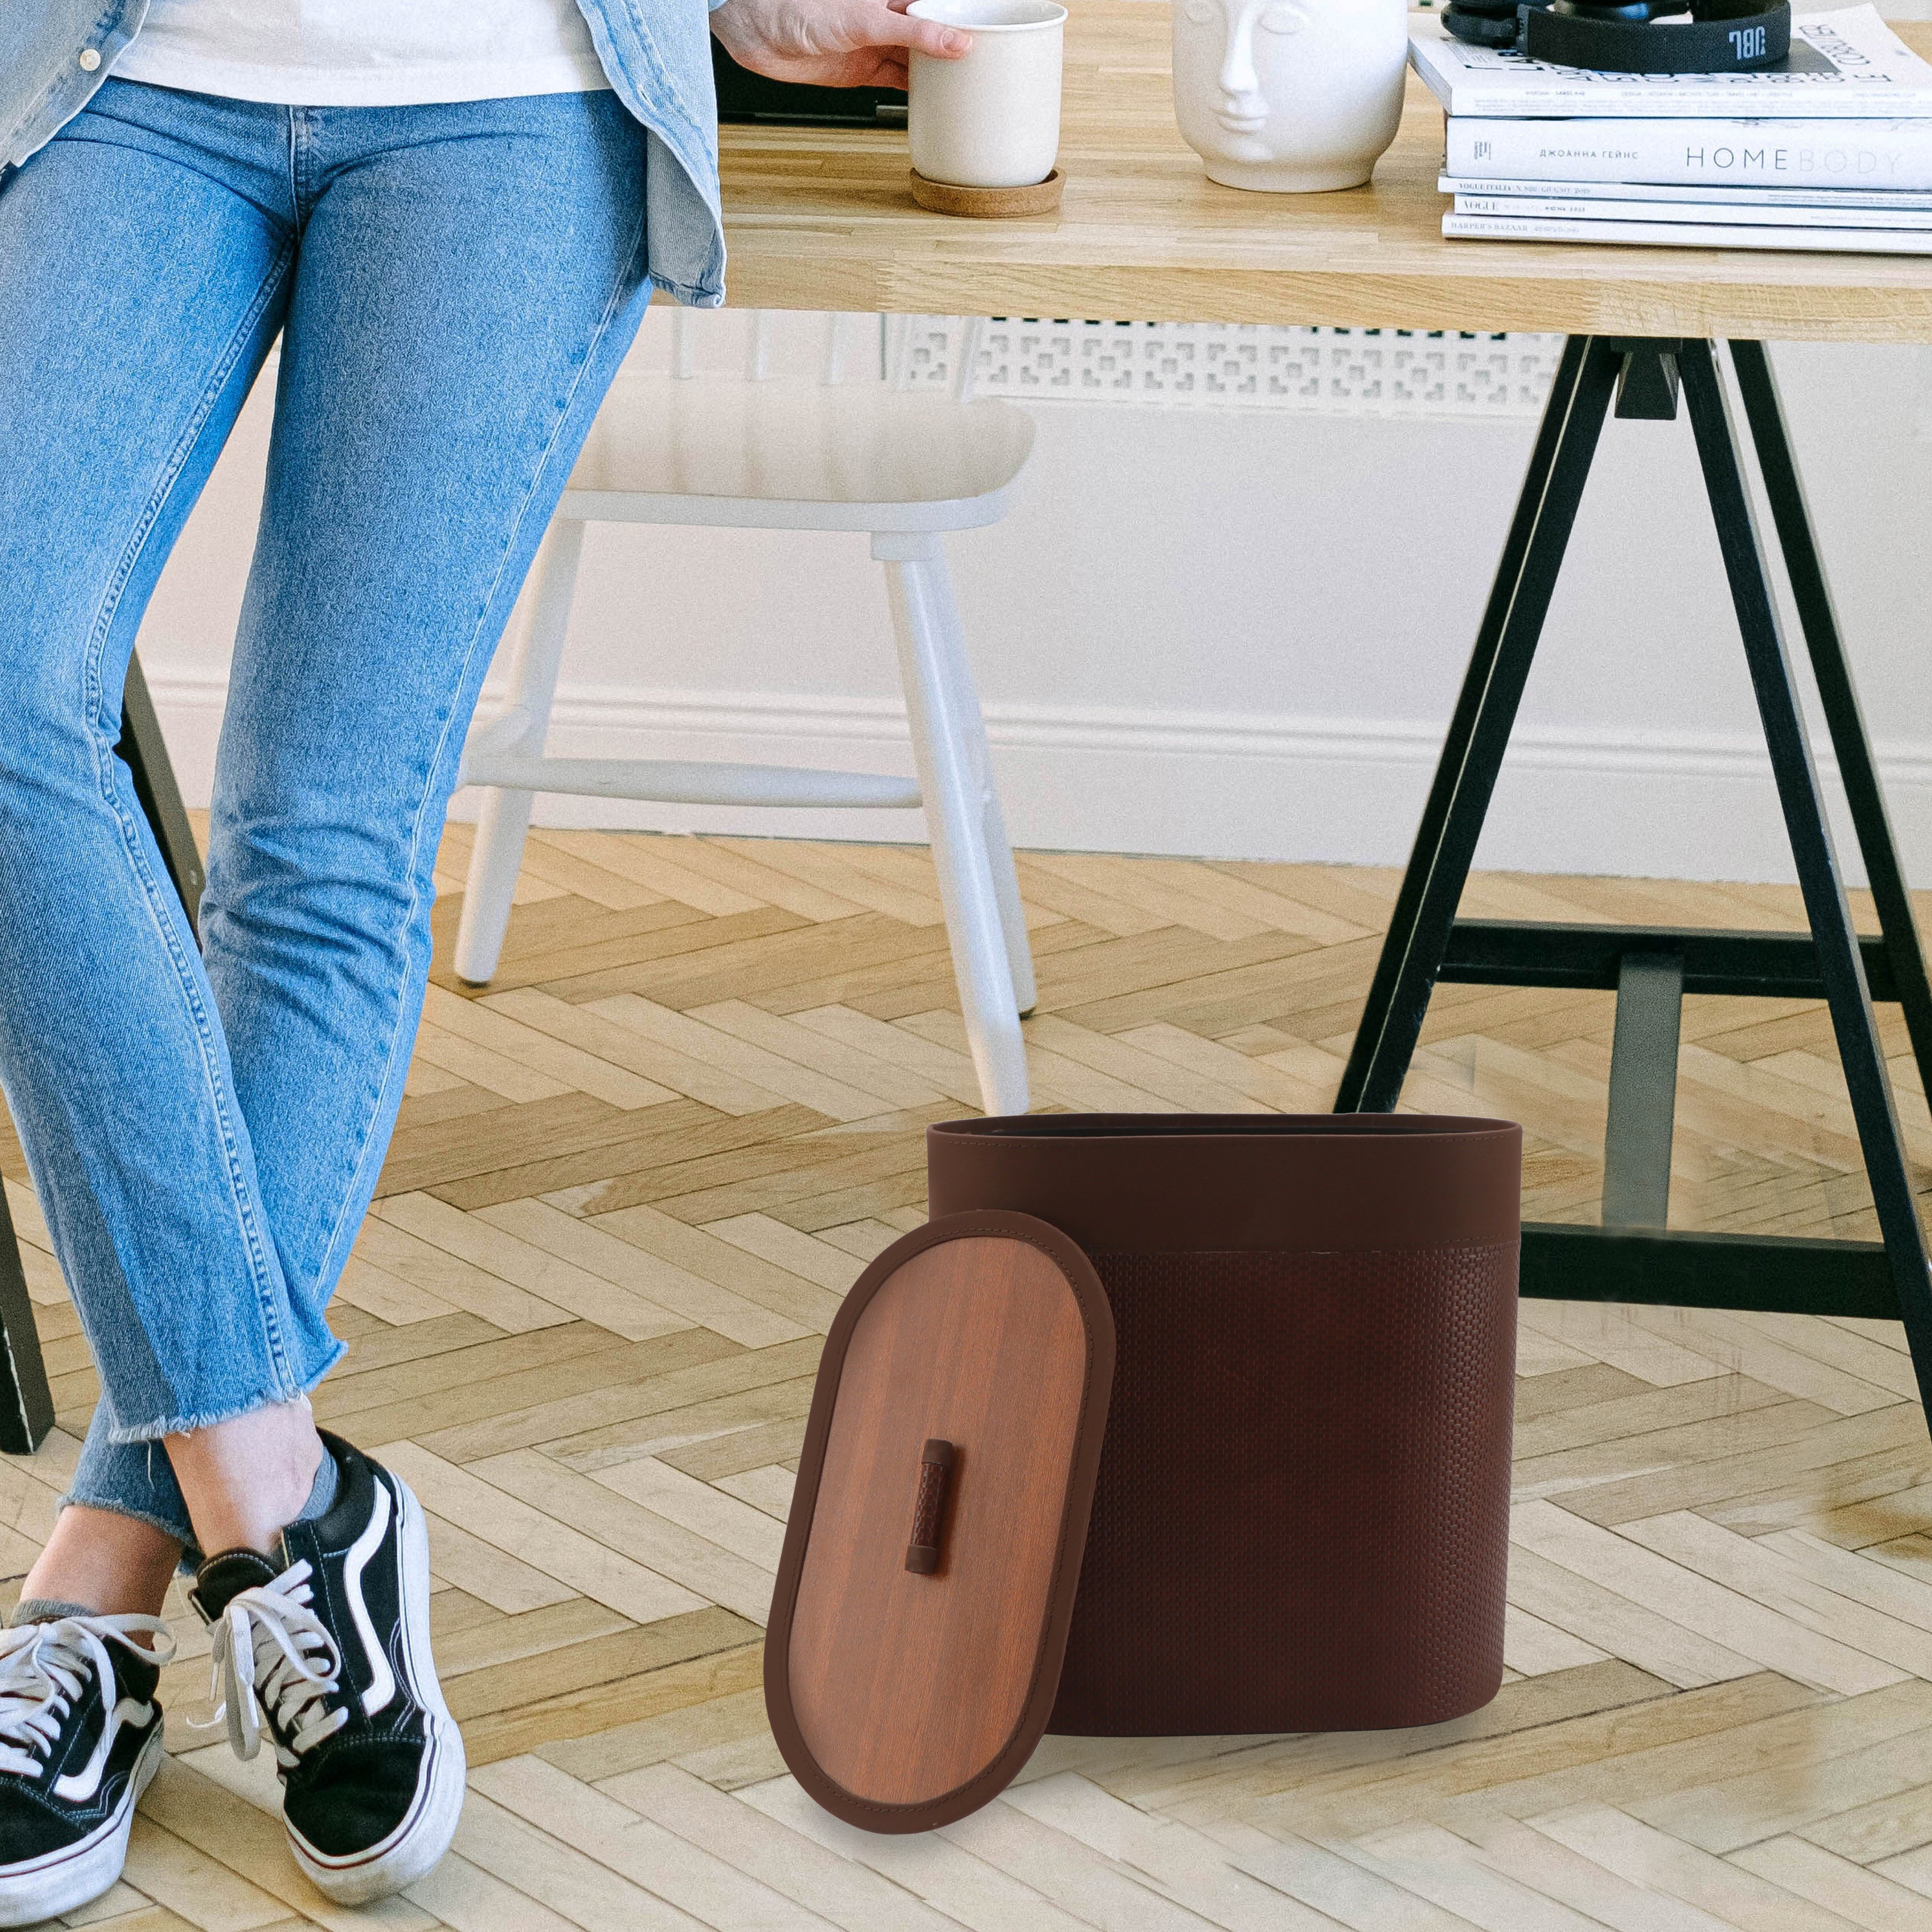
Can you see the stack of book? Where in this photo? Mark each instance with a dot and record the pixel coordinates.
(1833, 150)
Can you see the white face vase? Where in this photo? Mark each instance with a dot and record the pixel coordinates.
(1291, 95)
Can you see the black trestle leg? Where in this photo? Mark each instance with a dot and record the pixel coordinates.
(1840, 965)
(26, 1404)
(1632, 1256)
(1818, 618)
(144, 752)
(1462, 724)
(1479, 733)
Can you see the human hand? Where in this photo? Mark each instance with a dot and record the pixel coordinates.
(832, 42)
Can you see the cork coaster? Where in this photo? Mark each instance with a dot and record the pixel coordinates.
(943, 198)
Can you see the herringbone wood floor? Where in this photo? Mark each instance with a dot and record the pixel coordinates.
(629, 1186)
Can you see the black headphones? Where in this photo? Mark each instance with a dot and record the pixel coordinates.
(1625, 36)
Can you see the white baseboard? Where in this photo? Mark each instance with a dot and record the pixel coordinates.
(1214, 784)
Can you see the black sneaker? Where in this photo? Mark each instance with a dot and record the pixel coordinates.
(328, 1649)
(80, 1736)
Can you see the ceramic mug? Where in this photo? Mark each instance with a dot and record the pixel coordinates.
(1289, 95)
(991, 118)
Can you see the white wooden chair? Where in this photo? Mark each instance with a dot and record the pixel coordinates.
(766, 453)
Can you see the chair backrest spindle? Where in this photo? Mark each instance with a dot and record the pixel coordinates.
(971, 336)
(683, 355)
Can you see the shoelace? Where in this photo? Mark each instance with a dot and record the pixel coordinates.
(44, 1669)
(294, 1668)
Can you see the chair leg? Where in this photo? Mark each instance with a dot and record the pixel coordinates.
(955, 818)
(972, 730)
(1012, 914)
(505, 819)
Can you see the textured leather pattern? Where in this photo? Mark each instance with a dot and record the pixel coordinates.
(1302, 1517)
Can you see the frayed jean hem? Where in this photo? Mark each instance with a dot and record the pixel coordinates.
(123, 1435)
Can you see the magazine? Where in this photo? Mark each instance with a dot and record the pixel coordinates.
(1688, 234)
(1695, 214)
(1864, 154)
(1705, 194)
(1849, 64)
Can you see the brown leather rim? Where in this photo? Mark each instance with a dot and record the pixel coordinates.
(1089, 1433)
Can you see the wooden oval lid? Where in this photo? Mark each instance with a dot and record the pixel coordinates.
(933, 1546)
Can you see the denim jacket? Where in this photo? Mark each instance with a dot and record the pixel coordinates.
(54, 54)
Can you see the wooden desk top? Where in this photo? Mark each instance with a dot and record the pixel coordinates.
(823, 219)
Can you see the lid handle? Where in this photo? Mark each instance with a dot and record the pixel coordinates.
(928, 1509)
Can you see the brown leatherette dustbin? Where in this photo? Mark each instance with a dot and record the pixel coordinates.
(1300, 1521)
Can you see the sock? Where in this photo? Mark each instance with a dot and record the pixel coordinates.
(43, 1610)
(328, 1480)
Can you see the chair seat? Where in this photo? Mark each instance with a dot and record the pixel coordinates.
(795, 455)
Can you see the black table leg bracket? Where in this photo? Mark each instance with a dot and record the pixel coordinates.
(1648, 385)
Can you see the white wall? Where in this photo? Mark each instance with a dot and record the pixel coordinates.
(1237, 634)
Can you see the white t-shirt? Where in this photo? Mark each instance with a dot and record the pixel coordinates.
(364, 53)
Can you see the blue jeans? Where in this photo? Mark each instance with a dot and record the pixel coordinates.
(454, 286)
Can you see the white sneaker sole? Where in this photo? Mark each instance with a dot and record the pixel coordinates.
(64, 1881)
(411, 1850)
